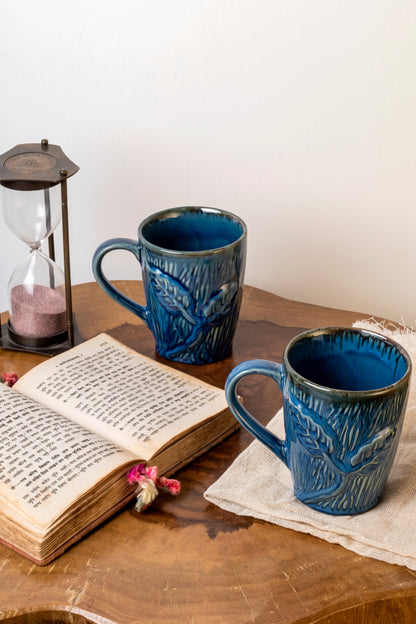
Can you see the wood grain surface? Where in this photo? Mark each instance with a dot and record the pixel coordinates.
(185, 560)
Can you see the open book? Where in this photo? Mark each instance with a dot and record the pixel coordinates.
(73, 427)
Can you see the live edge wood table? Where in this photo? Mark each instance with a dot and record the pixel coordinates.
(185, 560)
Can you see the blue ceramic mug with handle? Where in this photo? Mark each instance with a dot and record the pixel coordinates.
(344, 398)
(193, 262)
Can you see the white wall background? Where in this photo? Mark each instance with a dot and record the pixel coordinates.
(299, 115)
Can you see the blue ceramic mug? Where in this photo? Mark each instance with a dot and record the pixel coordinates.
(193, 262)
(344, 398)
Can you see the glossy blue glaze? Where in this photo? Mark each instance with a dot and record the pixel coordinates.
(193, 262)
(344, 398)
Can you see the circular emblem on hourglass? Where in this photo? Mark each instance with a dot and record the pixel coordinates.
(30, 163)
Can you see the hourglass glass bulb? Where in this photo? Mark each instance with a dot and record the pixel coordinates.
(37, 296)
(31, 215)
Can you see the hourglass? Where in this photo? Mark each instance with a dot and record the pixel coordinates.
(39, 291)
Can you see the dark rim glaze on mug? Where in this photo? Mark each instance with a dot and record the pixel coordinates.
(346, 394)
(172, 213)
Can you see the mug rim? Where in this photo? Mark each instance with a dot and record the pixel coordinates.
(337, 391)
(183, 210)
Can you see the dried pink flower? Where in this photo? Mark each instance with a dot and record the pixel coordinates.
(169, 485)
(136, 472)
(151, 472)
(9, 379)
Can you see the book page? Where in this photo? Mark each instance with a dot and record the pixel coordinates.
(122, 395)
(46, 460)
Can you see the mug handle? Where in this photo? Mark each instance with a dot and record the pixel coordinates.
(110, 245)
(255, 367)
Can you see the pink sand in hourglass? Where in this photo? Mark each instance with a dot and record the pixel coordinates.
(37, 312)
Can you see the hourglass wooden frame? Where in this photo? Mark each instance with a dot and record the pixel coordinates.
(32, 167)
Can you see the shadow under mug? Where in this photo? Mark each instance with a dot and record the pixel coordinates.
(344, 398)
(193, 262)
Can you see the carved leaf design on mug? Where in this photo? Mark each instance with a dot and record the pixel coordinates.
(372, 453)
(320, 444)
(312, 437)
(219, 305)
(177, 299)
(172, 295)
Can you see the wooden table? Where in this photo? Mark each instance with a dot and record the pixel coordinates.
(187, 561)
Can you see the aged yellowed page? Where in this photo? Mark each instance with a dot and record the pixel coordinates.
(46, 460)
(121, 395)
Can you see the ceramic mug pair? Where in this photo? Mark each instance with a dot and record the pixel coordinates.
(344, 390)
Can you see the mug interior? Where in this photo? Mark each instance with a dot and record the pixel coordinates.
(192, 230)
(348, 359)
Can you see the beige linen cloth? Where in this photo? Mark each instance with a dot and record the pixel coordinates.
(258, 484)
